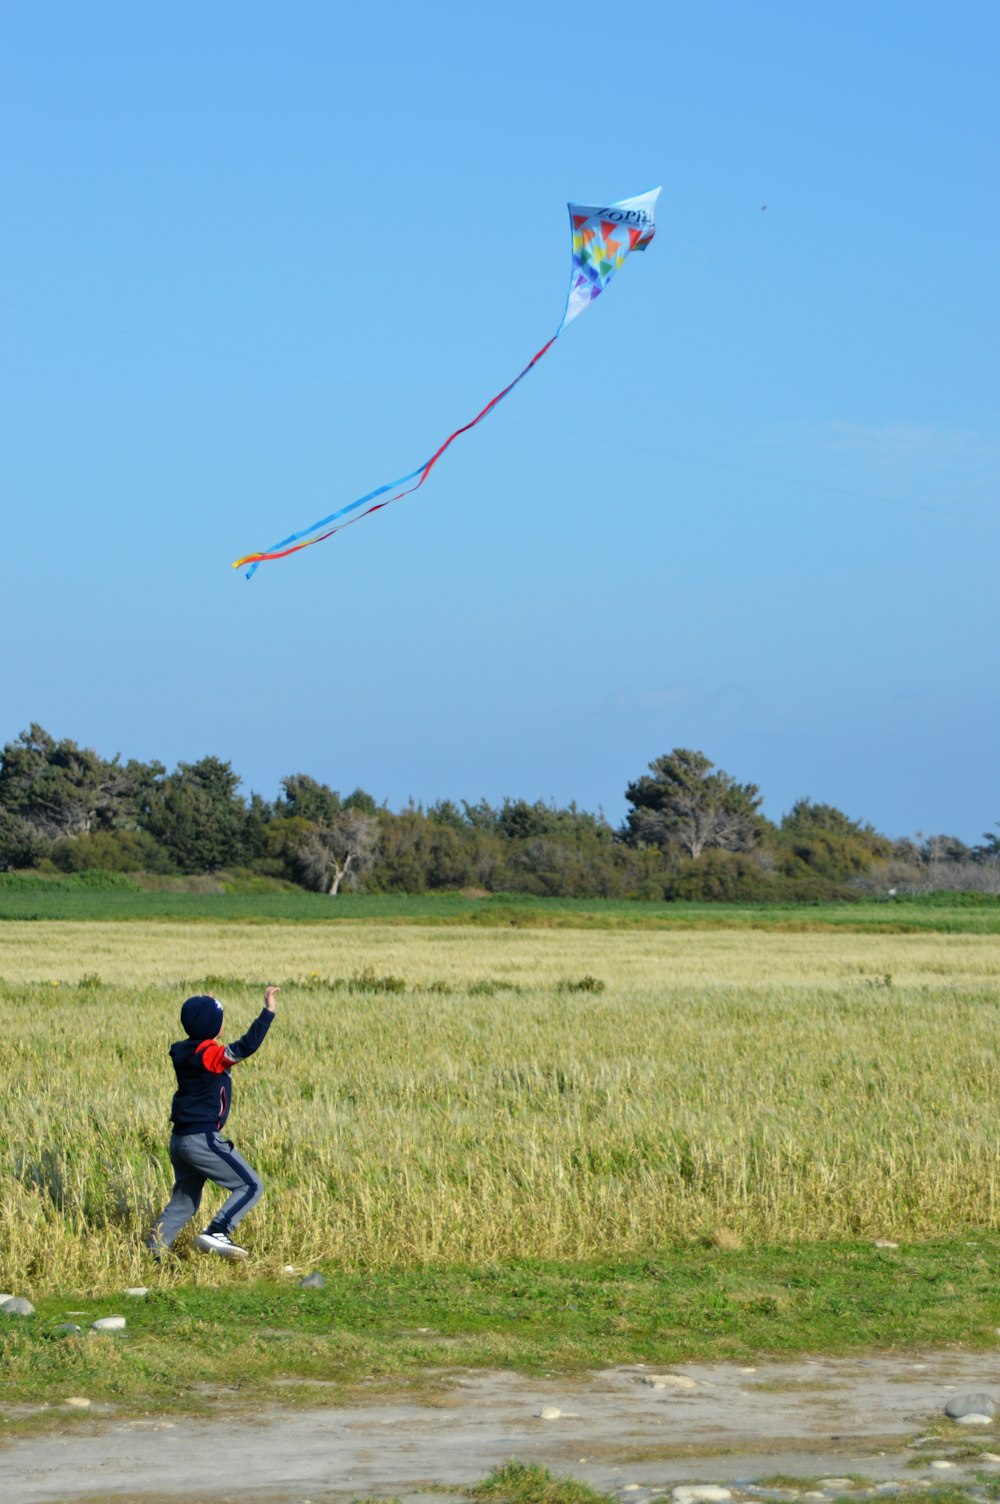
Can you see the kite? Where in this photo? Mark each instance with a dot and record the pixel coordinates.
(602, 238)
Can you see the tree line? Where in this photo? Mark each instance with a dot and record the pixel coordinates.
(692, 831)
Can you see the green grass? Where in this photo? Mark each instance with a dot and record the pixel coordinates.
(524, 1483)
(42, 899)
(534, 1316)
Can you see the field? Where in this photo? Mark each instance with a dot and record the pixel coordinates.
(89, 897)
(466, 1095)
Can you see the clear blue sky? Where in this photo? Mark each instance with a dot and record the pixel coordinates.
(257, 259)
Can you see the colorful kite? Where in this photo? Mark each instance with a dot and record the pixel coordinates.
(602, 238)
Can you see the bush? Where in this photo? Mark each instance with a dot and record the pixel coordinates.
(111, 851)
(740, 877)
(31, 882)
(367, 980)
(952, 899)
(242, 880)
(104, 881)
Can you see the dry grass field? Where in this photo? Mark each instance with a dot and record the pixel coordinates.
(473, 1095)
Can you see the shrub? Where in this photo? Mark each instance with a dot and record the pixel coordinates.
(367, 980)
(111, 851)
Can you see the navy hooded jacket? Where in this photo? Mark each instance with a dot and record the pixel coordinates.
(204, 1092)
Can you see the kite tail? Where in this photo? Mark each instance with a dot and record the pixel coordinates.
(310, 535)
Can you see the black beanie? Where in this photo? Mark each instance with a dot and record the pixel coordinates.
(201, 1016)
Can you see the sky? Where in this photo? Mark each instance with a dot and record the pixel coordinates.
(258, 259)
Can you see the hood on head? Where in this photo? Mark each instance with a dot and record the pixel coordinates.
(201, 1016)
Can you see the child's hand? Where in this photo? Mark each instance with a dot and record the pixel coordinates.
(269, 994)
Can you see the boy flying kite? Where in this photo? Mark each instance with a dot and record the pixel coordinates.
(199, 1110)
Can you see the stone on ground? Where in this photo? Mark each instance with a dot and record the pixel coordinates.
(314, 1281)
(669, 1381)
(16, 1305)
(976, 1402)
(700, 1493)
(108, 1324)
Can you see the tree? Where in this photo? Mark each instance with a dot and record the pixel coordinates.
(989, 851)
(481, 816)
(20, 843)
(342, 851)
(830, 842)
(685, 805)
(61, 789)
(519, 820)
(544, 866)
(418, 851)
(259, 818)
(945, 848)
(447, 812)
(306, 799)
(199, 818)
(362, 800)
(282, 839)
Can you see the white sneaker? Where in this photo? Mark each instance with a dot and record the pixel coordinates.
(217, 1242)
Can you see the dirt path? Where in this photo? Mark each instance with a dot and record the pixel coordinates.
(810, 1418)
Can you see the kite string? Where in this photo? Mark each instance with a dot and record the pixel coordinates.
(292, 544)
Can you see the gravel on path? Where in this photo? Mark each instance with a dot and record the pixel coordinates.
(813, 1418)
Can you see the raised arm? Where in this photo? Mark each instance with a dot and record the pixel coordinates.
(241, 1049)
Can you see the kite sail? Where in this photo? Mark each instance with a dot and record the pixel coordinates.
(602, 238)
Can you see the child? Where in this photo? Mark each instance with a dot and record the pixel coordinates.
(201, 1104)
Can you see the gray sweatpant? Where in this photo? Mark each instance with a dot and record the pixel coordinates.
(197, 1157)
